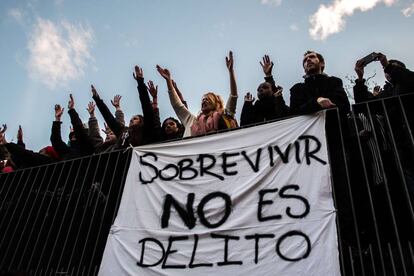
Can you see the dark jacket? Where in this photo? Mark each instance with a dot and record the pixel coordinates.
(23, 158)
(265, 109)
(79, 148)
(303, 96)
(402, 80)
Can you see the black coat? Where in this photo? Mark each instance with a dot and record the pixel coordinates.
(265, 109)
(303, 96)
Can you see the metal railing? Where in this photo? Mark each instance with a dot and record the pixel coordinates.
(54, 219)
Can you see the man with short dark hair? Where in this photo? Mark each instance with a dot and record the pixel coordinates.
(318, 91)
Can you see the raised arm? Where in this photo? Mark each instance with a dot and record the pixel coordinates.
(93, 130)
(153, 90)
(82, 137)
(177, 90)
(3, 134)
(55, 138)
(183, 114)
(113, 124)
(147, 110)
(19, 137)
(361, 92)
(247, 115)
(119, 114)
(232, 100)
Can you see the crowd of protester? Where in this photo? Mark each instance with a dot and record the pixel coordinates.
(317, 91)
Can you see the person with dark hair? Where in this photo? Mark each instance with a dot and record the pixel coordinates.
(79, 142)
(141, 129)
(109, 144)
(171, 128)
(21, 158)
(318, 91)
(6, 163)
(213, 116)
(270, 104)
(399, 80)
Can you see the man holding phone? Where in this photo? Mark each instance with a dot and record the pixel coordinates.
(400, 80)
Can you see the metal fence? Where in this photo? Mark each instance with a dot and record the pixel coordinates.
(54, 220)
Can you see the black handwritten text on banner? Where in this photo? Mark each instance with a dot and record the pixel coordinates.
(255, 201)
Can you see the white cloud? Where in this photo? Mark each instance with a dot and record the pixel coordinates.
(408, 11)
(272, 2)
(294, 27)
(16, 14)
(58, 52)
(330, 19)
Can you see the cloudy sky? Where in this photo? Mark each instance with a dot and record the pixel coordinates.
(50, 48)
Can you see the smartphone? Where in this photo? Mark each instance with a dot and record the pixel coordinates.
(369, 58)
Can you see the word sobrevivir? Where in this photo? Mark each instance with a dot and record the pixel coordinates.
(186, 170)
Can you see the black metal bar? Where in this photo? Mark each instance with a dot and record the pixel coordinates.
(350, 193)
(94, 211)
(11, 218)
(66, 211)
(397, 236)
(124, 175)
(9, 201)
(3, 185)
(374, 271)
(30, 213)
(47, 211)
(352, 260)
(411, 138)
(26, 203)
(394, 269)
(371, 202)
(15, 186)
(37, 217)
(55, 214)
(411, 253)
(341, 250)
(73, 215)
(84, 213)
(103, 213)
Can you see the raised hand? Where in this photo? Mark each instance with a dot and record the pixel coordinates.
(3, 130)
(91, 109)
(139, 74)
(164, 72)
(116, 102)
(249, 97)
(383, 59)
(267, 65)
(230, 61)
(71, 103)
(278, 92)
(94, 92)
(153, 90)
(106, 130)
(58, 112)
(2, 135)
(359, 69)
(20, 134)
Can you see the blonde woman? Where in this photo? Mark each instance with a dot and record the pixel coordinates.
(213, 115)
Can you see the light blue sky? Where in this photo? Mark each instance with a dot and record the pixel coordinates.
(99, 42)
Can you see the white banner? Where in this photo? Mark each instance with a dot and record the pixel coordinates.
(254, 201)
